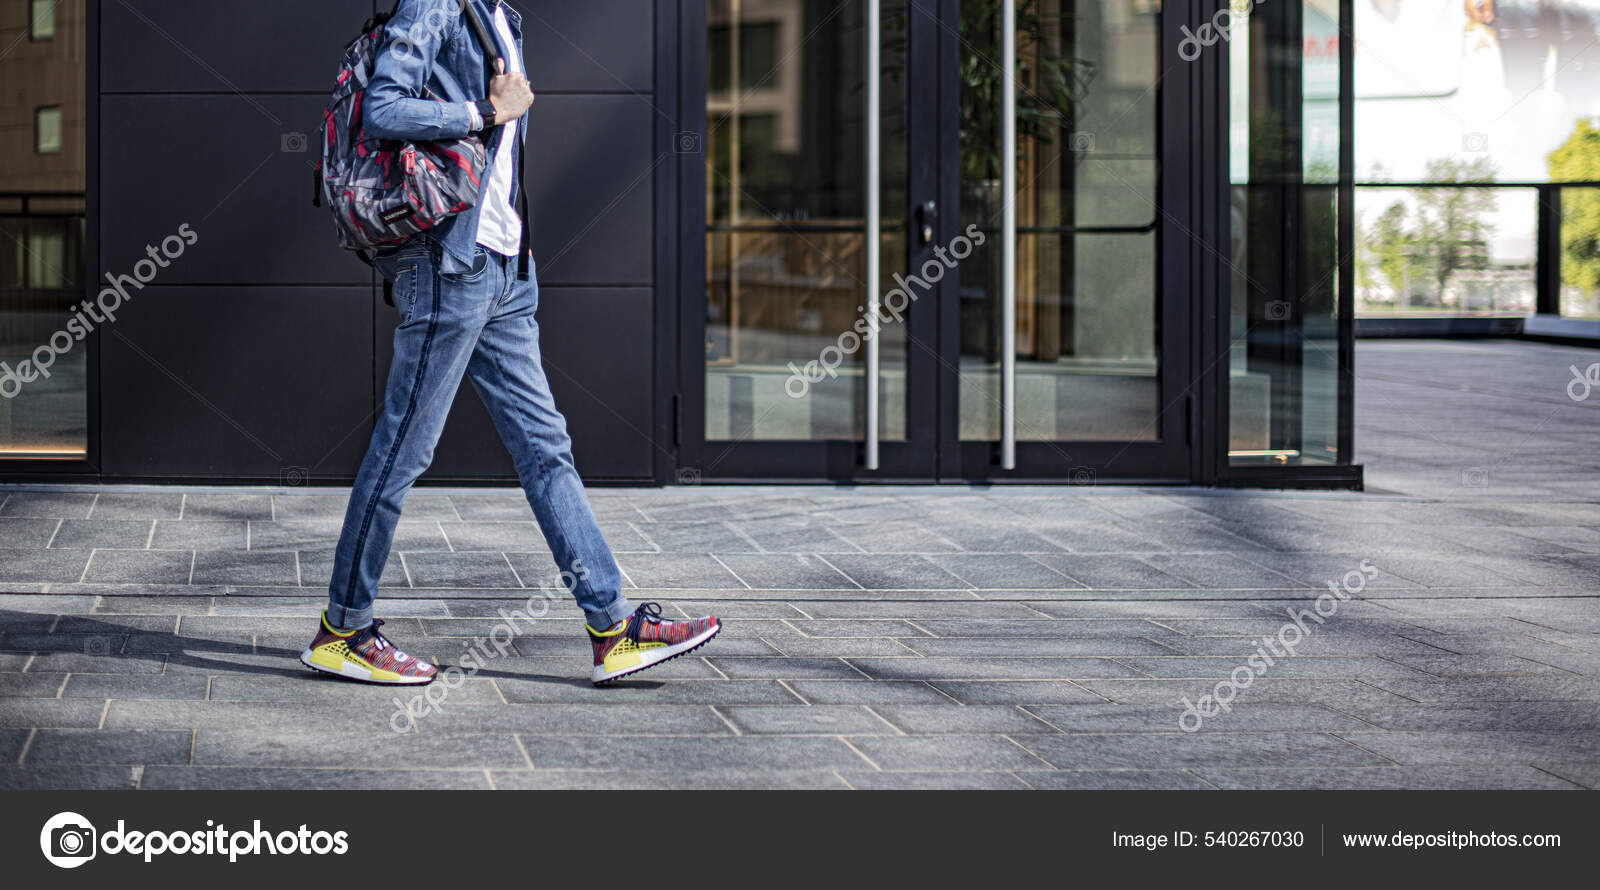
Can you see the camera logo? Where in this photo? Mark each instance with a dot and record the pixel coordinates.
(68, 840)
(293, 143)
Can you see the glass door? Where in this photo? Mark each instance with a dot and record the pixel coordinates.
(808, 208)
(1063, 370)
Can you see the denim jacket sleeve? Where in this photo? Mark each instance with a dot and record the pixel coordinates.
(396, 103)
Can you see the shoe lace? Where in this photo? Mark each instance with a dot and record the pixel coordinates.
(650, 612)
(372, 633)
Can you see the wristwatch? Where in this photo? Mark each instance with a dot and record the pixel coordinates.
(486, 111)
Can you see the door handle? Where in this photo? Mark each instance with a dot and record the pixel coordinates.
(927, 220)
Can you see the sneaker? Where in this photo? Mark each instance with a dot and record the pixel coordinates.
(645, 640)
(364, 655)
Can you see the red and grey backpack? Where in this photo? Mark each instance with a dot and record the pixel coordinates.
(383, 191)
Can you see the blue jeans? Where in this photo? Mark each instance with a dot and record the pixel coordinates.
(481, 324)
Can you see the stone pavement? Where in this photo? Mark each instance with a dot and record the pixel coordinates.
(876, 638)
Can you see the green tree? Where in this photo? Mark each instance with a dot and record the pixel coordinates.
(1388, 244)
(1451, 226)
(1578, 159)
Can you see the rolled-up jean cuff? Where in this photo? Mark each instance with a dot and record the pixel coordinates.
(604, 619)
(348, 619)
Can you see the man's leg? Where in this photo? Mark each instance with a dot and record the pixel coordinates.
(508, 374)
(440, 320)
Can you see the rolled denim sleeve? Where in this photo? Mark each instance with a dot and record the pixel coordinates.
(395, 106)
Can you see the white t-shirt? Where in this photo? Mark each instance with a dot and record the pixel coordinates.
(499, 226)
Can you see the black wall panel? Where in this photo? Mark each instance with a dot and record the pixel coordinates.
(597, 355)
(219, 164)
(261, 352)
(590, 168)
(238, 382)
(593, 47)
(185, 46)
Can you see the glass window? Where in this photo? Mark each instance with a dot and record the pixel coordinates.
(47, 130)
(1283, 373)
(786, 226)
(43, 349)
(42, 20)
(1087, 336)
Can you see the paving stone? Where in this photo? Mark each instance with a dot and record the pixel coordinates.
(867, 692)
(657, 779)
(66, 777)
(459, 570)
(646, 691)
(952, 752)
(1220, 570)
(88, 746)
(934, 781)
(940, 668)
(784, 571)
(229, 505)
(694, 536)
(230, 778)
(136, 687)
(794, 535)
(741, 668)
(813, 720)
(1492, 689)
(206, 534)
(1374, 778)
(1007, 571)
(1300, 667)
(676, 570)
(300, 684)
(962, 719)
(1017, 692)
(897, 535)
(34, 685)
(522, 535)
(138, 505)
(1528, 716)
(85, 663)
(1333, 693)
(895, 572)
(1113, 572)
(1441, 747)
(1198, 749)
(826, 647)
(1114, 780)
(843, 628)
(245, 567)
(330, 748)
(26, 534)
(42, 565)
(1248, 717)
(88, 534)
(49, 712)
(1098, 647)
(745, 753)
(51, 504)
(1586, 775)
(991, 536)
(140, 566)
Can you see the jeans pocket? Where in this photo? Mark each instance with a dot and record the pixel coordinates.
(404, 289)
(480, 264)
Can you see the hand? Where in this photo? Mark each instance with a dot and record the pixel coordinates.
(511, 94)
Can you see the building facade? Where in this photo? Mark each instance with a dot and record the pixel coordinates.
(1138, 279)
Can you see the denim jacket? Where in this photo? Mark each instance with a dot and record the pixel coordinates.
(430, 51)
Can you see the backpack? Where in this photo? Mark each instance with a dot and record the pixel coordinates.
(383, 191)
